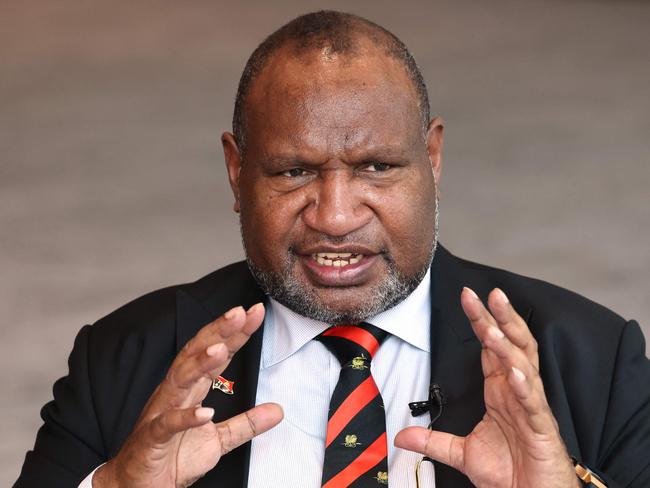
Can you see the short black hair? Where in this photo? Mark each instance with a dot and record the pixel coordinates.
(339, 32)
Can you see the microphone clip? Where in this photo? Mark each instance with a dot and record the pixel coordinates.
(435, 402)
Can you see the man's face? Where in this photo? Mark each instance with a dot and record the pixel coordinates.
(336, 187)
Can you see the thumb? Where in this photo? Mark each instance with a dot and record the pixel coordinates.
(439, 446)
(243, 427)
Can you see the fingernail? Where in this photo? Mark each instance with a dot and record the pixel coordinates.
(496, 332)
(519, 374)
(471, 292)
(214, 349)
(204, 413)
(253, 308)
(231, 313)
(502, 295)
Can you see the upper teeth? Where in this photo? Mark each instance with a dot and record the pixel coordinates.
(337, 259)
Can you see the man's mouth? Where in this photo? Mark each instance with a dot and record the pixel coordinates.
(340, 269)
(336, 260)
(350, 265)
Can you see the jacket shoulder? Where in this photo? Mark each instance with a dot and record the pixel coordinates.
(541, 298)
(158, 308)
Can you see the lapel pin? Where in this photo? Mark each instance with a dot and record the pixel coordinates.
(224, 385)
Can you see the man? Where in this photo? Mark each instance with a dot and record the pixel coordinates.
(335, 164)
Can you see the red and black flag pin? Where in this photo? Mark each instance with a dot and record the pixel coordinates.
(226, 386)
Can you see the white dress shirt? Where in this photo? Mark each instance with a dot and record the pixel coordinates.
(300, 374)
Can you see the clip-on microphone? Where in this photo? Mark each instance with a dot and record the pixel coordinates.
(434, 406)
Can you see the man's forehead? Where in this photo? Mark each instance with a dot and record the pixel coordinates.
(358, 125)
(338, 101)
(289, 65)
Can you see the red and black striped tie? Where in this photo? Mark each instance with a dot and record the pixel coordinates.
(355, 448)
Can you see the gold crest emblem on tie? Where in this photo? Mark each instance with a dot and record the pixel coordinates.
(351, 441)
(222, 384)
(359, 362)
(382, 477)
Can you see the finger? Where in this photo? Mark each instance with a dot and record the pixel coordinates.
(187, 381)
(482, 323)
(491, 336)
(490, 363)
(206, 364)
(511, 323)
(240, 429)
(166, 425)
(508, 354)
(236, 338)
(233, 328)
(480, 318)
(524, 380)
(500, 353)
(218, 330)
(439, 446)
(237, 319)
(254, 318)
(533, 400)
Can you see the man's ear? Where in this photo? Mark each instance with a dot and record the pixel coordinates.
(233, 164)
(434, 147)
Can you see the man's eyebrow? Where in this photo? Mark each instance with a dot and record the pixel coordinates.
(384, 153)
(285, 160)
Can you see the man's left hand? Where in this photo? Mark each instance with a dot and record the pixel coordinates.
(517, 444)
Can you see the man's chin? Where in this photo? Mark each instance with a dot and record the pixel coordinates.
(330, 305)
(335, 305)
(340, 304)
(346, 303)
(336, 311)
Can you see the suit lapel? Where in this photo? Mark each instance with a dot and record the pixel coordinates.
(455, 360)
(455, 350)
(192, 314)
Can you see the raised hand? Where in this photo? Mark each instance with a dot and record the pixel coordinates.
(175, 441)
(517, 444)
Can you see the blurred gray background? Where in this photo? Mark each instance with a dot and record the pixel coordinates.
(112, 180)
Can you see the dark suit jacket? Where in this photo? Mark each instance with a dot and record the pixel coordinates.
(593, 364)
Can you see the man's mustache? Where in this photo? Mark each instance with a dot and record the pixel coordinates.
(357, 238)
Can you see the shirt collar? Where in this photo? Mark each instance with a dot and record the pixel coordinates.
(410, 319)
(286, 331)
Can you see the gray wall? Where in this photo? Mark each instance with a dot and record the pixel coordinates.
(112, 179)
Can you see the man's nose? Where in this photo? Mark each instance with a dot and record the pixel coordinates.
(337, 206)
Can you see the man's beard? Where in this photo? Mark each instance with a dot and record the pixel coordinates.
(285, 288)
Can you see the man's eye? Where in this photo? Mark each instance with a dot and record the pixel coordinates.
(294, 172)
(378, 167)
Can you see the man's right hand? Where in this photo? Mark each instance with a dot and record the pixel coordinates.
(175, 442)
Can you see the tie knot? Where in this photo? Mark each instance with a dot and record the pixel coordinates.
(355, 344)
